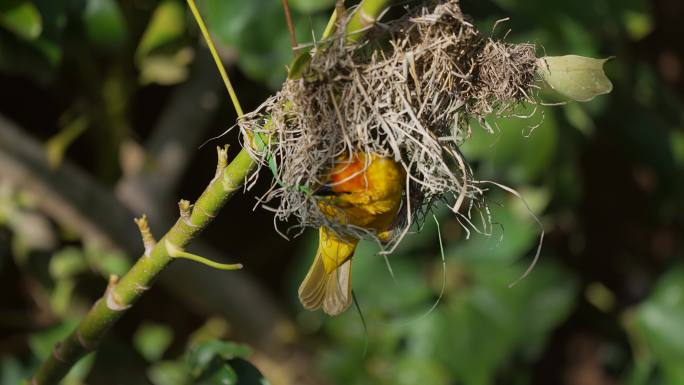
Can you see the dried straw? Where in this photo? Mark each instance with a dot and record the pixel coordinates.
(411, 99)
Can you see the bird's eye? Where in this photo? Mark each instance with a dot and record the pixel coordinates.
(324, 190)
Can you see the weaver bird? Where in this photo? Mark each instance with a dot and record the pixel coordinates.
(363, 191)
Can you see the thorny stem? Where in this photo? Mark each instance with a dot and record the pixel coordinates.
(122, 293)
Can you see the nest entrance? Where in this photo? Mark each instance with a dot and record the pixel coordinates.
(410, 99)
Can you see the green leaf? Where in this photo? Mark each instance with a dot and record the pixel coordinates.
(58, 144)
(257, 31)
(201, 357)
(411, 371)
(152, 340)
(169, 373)
(12, 371)
(42, 342)
(104, 23)
(311, 6)
(516, 148)
(61, 296)
(637, 24)
(247, 374)
(166, 69)
(22, 18)
(161, 56)
(217, 373)
(165, 28)
(67, 263)
(107, 261)
(576, 77)
(659, 320)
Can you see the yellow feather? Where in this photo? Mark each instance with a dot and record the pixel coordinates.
(370, 200)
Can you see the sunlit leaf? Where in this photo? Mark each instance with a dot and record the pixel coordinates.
(169, 373)
(576, 77)
(104, 23)
(659, 320)
(57, 145)
(42, 342)
(266, 53)
(166, 69)
(520, 150)
(21, 17)
(61, 296)
(152, 340)
(166, 26)
(201, 356)
(12, 371)
(310, 6)
(637, 24)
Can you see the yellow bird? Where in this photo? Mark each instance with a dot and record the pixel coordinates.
(363, 191)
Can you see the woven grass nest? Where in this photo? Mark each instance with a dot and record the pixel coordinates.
(408, 90)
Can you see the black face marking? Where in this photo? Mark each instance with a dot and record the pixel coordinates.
(325, 190)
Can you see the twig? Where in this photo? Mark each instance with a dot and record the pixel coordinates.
(122, 294)
(290, 26)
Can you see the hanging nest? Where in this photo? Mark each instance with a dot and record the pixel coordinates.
(410, 98)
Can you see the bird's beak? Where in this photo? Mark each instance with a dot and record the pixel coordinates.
(325, 190)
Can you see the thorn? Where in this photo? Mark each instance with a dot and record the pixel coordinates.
(113, 301)
(185, 208)
(222, 153)
(148, 239)
(113, 280)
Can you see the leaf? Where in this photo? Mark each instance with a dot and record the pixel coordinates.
(152, 340)
(104, 23)
(311, 6)
(659, 320)
(201, 357)
(42, 342)
(166, 69)
(412, 371)
(517, 149)
(160, 55)
(166, 27)
(576, 77)
(169, 373)
(266, 51)
(61, 296)
(58, 144)
(22, 18)
(67, 263)
(107, 261)
(217, 373)
(12, 371)
(247, 374)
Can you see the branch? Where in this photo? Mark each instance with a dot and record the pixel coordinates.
(73, 199)
(121, 294)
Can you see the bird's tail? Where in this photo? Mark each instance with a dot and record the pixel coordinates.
(328, 282)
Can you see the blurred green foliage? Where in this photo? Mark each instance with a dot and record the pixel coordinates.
(605, 179)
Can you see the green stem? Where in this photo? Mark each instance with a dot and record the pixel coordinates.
(122, 294)
(175, 252)
(365, 16)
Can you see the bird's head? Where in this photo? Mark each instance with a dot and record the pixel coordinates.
(366, 176)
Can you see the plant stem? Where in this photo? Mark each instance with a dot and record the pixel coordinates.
(122, 294)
